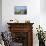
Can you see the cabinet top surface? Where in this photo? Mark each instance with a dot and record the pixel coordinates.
(20, 23)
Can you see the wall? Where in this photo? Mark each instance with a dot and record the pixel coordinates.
(0, 15)
(34, 14)
(43, 6)
(43, 14)
(33, 10)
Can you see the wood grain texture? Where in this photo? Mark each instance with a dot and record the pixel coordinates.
(22, 27)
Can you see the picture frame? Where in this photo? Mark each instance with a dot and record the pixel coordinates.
(20, 10)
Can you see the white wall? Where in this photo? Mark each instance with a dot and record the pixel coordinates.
(34, 14)
(43, 14)
(33, 9)
(0, 15)
(43, 6)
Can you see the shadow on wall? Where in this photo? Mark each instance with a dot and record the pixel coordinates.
(0, 15)
(43, 6)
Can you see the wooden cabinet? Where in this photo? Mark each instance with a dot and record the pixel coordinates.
(22, 33)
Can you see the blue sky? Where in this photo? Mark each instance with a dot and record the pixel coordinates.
(20, 7)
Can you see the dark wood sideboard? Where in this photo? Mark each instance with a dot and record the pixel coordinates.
(22, 33)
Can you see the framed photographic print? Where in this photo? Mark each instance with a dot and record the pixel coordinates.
(22, 10)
